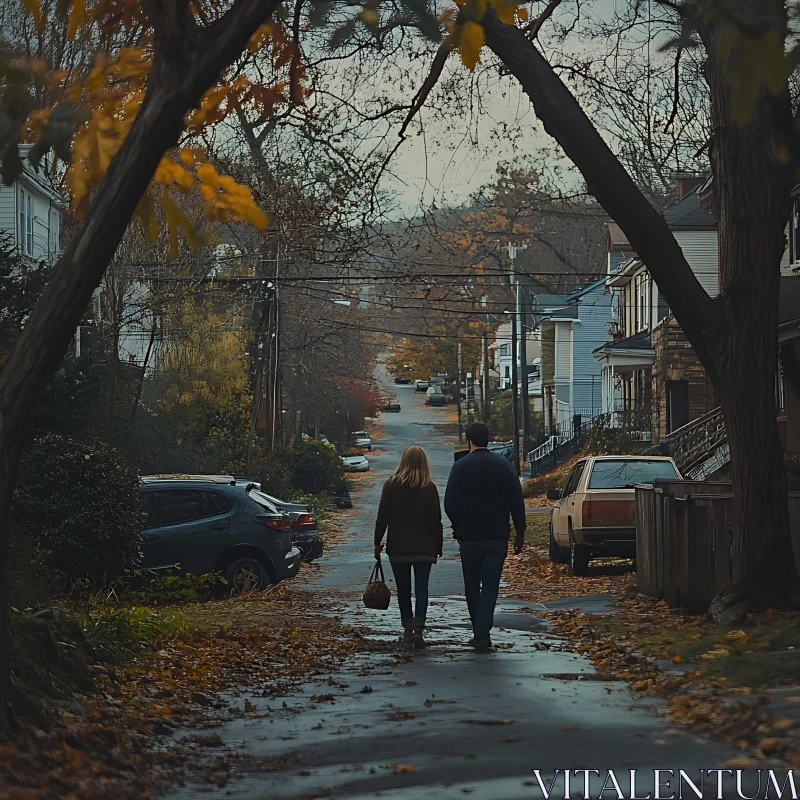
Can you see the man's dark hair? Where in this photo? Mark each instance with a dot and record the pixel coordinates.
(478, 434)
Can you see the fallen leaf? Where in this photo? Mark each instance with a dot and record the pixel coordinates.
(403, 769)
(572, 729)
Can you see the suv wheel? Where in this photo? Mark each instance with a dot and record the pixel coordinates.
(247, 575)
(578, 556)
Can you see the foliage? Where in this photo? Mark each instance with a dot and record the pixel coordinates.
(84, 108)
(309, 467)
(605, 439)
(79, 503)
(117, 634)
(437, 352)
(21, 285)
(465, 29)
(501, 418)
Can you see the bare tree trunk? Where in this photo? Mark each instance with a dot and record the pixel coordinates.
(187, 61)
(735, 336)
(752, 194)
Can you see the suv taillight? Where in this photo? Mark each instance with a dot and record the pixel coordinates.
(276, 523)
(305, 521)
(586, 513)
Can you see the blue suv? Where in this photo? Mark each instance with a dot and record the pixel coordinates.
(205, 526)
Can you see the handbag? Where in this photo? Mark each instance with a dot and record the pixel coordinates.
(377, 594)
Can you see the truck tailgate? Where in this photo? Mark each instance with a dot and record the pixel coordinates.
(609, 508)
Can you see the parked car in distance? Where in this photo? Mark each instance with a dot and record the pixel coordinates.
(402, 380)
(434, 397)
(595, 512)
(362, 439)
(505, 449)
(305, 534)
(342, 499)
(391, 407)
(421, 386)
(211, 526)
(355, 464)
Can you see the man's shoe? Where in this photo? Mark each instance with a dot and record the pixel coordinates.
(419, 642)
(480, 644)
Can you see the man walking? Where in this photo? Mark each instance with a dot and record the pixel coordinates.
(483, 491)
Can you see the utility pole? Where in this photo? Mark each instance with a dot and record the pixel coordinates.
(520, 351)
(523, 367)
(514, 393)
(458, 396)
(468, 384)
(485, 388)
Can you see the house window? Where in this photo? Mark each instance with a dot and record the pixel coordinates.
(25, 232)
(55, 237)
(641, 302)
(505, 349)
(794, 232)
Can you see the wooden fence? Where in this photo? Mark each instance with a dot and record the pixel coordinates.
(684, 540)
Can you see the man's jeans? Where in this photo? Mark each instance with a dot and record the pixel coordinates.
(402, 579)
(482, 565)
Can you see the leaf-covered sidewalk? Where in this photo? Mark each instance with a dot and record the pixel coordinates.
(740, 684)
(143, 727)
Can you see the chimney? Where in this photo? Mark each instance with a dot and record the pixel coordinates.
(687, 184)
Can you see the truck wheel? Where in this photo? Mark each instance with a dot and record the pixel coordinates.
(579, 556)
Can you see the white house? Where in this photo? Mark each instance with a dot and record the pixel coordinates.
(502, 357)
(638, 308)
(30, 213)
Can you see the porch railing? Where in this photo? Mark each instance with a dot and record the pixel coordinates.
(700, 447)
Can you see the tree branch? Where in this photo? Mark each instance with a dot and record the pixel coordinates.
(534, 26)
(564, 119)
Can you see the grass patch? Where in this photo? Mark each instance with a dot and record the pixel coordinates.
(538, 531)
(749, 660)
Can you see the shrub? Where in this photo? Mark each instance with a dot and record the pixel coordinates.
(604, 439)
(79, 504)
(309, 467)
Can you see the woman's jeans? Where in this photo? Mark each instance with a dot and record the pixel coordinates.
(402, 578)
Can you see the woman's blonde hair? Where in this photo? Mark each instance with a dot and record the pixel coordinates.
(413, 470)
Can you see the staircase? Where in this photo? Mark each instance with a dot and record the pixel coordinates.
(699, 448)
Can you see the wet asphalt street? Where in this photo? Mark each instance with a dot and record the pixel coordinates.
(450, 723)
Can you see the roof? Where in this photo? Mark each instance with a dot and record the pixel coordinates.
(550, 300)
(789, 299)
(616, 239)
(689, 213)
(639, 341)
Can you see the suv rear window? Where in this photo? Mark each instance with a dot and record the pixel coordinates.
(624, 473)
(263, 500)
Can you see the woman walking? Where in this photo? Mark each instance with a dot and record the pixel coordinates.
(410, 510)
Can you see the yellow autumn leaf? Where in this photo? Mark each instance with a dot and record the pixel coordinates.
(470, 43)
(35, 10)
(505, 10)
(677, 659)
(177, 221)
(76, 16)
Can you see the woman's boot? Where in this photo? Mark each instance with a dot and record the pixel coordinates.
(419, 642)
(407, 637)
